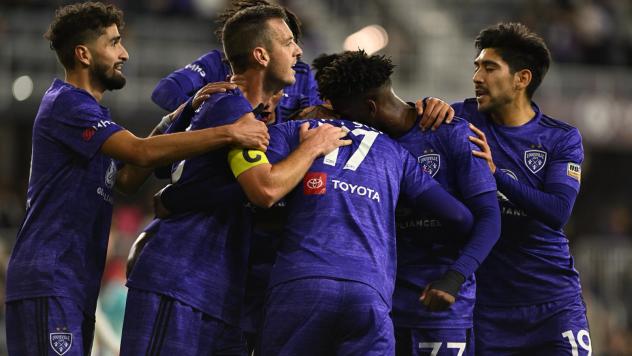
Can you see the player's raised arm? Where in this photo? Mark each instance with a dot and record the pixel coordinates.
(266, 183)
(130, 177)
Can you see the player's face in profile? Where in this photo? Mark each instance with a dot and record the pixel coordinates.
(284, 53)
(108, 58)
(493, 81)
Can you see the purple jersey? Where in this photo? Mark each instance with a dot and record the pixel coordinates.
(212, 67)
(341, 220)
(61, 245)
(425, 250)
(199, 258)
(531, 263)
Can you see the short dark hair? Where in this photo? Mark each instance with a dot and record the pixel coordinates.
(353, 75)
(246, 30)
(293, 22)
(520, 48)
(78, 24)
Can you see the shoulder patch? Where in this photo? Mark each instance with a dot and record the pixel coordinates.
(574, 171)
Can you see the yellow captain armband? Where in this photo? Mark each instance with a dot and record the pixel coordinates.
(241, 160)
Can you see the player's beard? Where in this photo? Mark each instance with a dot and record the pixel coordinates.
(111, 81)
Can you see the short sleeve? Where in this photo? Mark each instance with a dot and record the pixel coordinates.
(565, 165)
(80, 123)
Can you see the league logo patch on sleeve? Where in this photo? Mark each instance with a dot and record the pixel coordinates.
(61, 342)
(430, 163)
(574, 171)
(88, 133)
(535, 160)
(315, 183)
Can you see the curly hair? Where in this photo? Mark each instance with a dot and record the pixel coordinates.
(78, 24)
(322, 61)
(293, 22)
(352, 74)
(519, 47)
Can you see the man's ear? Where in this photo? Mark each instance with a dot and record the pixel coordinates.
(83, 55)
(261, 56)
(372, 107)
(522, 79)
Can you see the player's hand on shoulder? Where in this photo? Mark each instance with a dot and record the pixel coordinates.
(248, 132)
(324, 138)
(434, 112)
(435, 299)
(485, 152)
(209, 89)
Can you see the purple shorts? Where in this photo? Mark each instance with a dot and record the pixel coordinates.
(48, 326)
(431, 342)
(158, 325)
(323, 316)
(557, 328)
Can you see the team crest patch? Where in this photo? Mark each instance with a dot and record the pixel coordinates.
(315, 183)
(61, 342)
(430, 163)
(535, 160)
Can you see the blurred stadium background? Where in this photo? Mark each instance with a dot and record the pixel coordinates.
(589, 86)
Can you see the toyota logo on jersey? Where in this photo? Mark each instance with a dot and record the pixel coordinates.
(315, 183)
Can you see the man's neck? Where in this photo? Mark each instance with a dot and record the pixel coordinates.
(516, 113)
(82, 79)
(401, 116)
(255, 89)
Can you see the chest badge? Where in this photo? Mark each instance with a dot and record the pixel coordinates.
(430, 163)
(535, 160)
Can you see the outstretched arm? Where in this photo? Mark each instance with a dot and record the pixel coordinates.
(164, 149)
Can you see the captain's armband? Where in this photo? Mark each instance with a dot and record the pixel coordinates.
(242, 159)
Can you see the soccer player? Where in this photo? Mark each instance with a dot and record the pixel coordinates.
(186, 288)
(332, 283)
(429, 260)
(528, 299)
(178, 86)
(56, 265)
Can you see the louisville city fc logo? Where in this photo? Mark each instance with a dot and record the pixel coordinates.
(430, 163)
(61, 342)
(535, 160)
